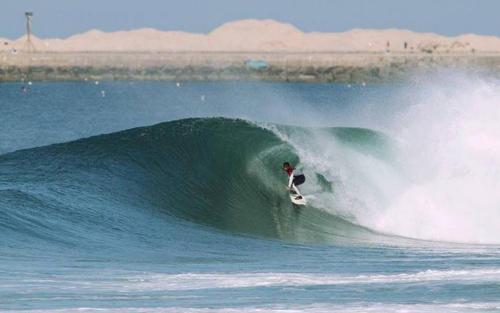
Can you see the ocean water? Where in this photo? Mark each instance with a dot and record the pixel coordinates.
(164, 197)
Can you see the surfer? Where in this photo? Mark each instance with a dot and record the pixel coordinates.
(296, 178)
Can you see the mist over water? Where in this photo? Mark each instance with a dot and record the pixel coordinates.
(450, 151)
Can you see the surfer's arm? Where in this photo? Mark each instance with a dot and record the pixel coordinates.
(290, 181)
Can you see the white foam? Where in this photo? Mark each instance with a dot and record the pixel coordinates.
(243, 280)
(140, 281)
(451, 145)
(444, 182)
(294, 308)
(140, 284)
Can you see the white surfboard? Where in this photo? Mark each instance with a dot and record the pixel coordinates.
(296, 197)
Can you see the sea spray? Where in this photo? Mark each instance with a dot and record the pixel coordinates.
(437, 177)
(450, 148)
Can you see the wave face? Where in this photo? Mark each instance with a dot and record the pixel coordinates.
(221, 173)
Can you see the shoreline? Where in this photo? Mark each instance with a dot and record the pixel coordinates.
(348, 67)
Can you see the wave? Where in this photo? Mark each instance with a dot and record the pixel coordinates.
(362, 307)
(221, 173)
(193, 281)
(317, 308)
(212, 172)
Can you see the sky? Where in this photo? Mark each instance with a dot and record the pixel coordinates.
(62, 18)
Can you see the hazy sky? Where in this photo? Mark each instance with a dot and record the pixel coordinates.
(61, 18)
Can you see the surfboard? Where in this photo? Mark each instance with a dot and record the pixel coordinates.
(296, 197)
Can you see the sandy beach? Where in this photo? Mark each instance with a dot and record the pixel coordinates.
(246, 49)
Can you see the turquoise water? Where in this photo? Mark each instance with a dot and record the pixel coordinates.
(158, 197)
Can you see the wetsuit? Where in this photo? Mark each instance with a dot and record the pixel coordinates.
(296, 177)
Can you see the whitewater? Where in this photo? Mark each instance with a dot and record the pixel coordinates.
(166, 197)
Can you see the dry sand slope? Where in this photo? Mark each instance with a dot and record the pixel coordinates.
(261, 36)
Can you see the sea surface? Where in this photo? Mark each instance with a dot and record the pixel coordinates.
(140, 196)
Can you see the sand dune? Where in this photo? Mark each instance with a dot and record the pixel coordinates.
(260, 36)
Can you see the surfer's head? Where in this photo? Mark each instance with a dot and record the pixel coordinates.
(286, 166)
